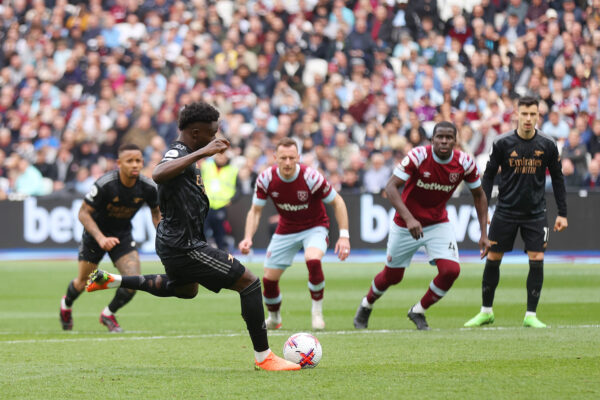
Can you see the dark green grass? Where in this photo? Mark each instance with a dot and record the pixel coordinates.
(197, 349)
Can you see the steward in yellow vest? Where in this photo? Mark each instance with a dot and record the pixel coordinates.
(220, 179)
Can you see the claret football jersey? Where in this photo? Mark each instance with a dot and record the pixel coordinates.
(298, 200)
(430, 181)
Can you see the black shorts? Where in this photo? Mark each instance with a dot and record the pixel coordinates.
(212, 268)
(90, 251)
(503, 232)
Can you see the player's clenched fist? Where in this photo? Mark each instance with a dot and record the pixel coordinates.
(245, 246)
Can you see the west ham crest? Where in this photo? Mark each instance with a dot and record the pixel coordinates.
(302, 195)
(454, 176)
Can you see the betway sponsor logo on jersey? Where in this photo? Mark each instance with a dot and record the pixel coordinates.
(292, 207)
(434, 186)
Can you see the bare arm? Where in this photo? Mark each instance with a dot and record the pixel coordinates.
(481, 206)
(393, 193)
(85, 216)
(252, 222)
(155, 216)
(170, 169)
(342, 246)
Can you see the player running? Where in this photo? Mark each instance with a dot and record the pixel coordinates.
(180, 241)
(298, 193)
(523, 154)
(106, 214)
(429, 175)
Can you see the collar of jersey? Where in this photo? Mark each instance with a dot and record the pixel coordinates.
(439, 160)
(292, 179)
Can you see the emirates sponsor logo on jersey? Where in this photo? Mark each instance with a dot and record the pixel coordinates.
(454, 176)
(302, 195)
(434, 186)
(292, 207)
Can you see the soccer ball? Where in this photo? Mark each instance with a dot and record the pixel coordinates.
(304, 349)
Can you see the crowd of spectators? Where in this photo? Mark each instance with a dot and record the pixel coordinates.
(356, 83)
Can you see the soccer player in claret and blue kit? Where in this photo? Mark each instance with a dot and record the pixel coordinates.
(180, 241)
(298, 192)
(523, 155)
(106, 214)
(428, 175)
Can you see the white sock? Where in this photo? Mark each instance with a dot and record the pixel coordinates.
(530, 313)
(317, 306)
(418, 308)
(63, 304)
(487, 310)
(117, 282)
(275, 316)
(261, 355)
(107, 312)
(365, 303)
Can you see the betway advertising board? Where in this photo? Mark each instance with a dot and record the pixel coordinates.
(45, 223)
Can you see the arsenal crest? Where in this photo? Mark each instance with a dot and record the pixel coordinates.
(302, 195)
(454, 176)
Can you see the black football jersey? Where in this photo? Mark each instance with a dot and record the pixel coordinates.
(115, 204)
(183, 204)
(523, 164)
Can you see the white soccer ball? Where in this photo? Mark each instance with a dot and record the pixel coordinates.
(304, 349)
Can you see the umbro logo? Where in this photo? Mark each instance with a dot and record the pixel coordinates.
(514, 154)
(426, 174)
(275, 194)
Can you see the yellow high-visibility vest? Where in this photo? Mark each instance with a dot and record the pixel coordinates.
(219, 183)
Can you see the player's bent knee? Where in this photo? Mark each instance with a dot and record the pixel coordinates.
(187, 291)
(393, 276)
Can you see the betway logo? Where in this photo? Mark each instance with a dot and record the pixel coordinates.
(292, 207)
(434, 186)
(60, 224)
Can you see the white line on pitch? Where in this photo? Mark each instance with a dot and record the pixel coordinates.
(280, 333)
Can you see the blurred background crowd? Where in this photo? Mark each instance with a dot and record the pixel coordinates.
(356, 83)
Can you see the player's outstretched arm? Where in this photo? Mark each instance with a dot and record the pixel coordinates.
(252, 221)
(393, 194)
(342, 246)
(170, 169)
(86, 219)
(481, 206)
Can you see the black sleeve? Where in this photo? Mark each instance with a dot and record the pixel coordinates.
(151, 196)
(95, 197)
(558, 181)
(491, 169)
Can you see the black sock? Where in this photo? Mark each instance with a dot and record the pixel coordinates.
(535, 279)
(254, 315)
(156, 285)
(489, 283)
(122, 297)
(72, 294)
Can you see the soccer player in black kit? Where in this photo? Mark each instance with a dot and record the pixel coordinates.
(523, 155)
(180, 241)
(106, 214)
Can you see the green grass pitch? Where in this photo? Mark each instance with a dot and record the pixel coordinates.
(199, 349)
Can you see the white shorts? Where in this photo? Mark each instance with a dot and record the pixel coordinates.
(439, 242)
(283, 248)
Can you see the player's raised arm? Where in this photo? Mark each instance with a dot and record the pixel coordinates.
(342, 246)
(481, 206)
(395, 197)
(168, 169)
(252, 221)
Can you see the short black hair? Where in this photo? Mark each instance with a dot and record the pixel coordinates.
(445, 124)
(528, 101)
(197, 112)
(128, 146)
